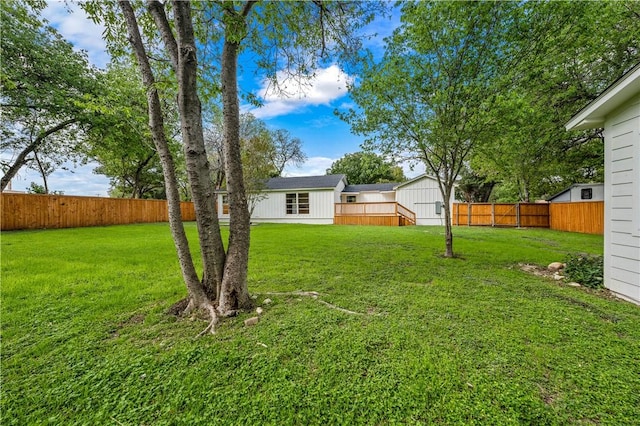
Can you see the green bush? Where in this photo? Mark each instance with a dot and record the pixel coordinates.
(587, 270)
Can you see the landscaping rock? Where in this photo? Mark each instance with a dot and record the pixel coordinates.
(251, 321)
(574, 284)
(267, 301)
(259, 310)
(557, 277)
(555, 266)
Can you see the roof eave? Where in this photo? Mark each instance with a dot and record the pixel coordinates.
(593, 115)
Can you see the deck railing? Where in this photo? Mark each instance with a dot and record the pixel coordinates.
(386, 208)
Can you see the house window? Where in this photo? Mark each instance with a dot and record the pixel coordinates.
(225, 204)
(586, 193)
(351, 198)
(298, 203)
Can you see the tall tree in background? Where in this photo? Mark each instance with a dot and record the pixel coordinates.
(120, 141)
(367, 167)
(286, 150)
(47, 93)
(265, 153)
(308, 31)
(570, 52)
(428, 97)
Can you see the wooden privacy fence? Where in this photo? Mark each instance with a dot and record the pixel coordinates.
(518, 215)
(32, 211)
(585, 217)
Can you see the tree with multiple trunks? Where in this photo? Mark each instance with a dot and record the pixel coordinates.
(303, 33)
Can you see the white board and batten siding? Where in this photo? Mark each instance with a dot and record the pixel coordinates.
(273, 208)
(622, 202)
(420, 195)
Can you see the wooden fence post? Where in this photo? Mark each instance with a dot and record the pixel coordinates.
(493, 214)
(517, 215)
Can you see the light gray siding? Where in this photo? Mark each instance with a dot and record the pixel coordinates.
(597, 193)
(622, 201)
(420, 196)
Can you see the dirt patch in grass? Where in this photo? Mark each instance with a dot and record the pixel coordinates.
(178, 308)
(536, 270)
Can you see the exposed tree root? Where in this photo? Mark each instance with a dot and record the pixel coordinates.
(314, 295)
(214, 320)
(338, 308)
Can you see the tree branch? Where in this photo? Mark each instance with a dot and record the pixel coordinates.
(156, 9)
(21, 158)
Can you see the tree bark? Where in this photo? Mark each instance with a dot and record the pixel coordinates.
(198, 171)
(234, 293)
(448, 231)
(197, 295)
(21, 159)
(42, 171)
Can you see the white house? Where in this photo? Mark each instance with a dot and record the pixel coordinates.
(321, 199)
(617, 109)
(422, 195)
(579, 192)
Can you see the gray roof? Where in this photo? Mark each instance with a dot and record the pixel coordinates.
(370, 187)
(304, 182)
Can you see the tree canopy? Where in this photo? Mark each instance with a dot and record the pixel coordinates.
(48, 90)
(427, 99)
(367, 167)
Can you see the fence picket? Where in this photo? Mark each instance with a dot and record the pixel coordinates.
(584, 217)
(34, 211)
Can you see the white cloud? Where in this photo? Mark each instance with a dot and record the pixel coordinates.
(294, 94)
(314, 166)
(76, 27)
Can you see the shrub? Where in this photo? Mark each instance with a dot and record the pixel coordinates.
(587, 270)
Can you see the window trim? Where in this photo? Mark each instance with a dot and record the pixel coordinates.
(297, 203)
(225, 204)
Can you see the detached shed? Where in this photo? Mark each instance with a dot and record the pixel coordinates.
(617, 109)
(580, 192)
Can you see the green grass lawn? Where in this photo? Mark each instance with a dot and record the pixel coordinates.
(471, 340)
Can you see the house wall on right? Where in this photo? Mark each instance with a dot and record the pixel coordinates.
(622, 201)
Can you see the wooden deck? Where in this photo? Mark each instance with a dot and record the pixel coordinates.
(380, 214)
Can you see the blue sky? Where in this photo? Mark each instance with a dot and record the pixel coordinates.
(308, 115)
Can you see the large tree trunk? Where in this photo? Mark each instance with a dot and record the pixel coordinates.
(234, 293)
(198, 297)
(198, 171)
(448, 232)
